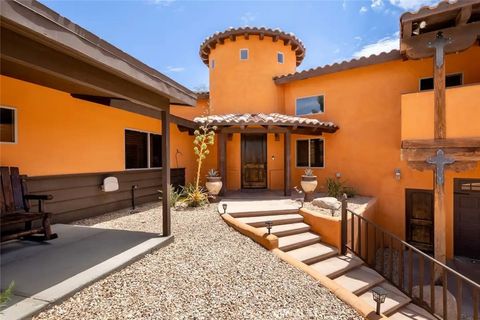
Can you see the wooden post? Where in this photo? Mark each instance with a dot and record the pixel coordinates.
(344, 225)
(222, 159)
(166, 218)
(286, 163)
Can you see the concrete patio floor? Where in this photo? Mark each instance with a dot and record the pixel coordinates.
(48, 272)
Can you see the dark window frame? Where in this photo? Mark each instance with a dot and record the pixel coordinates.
(149, 147)
(309, 154)
(15, 125)
(446, 76)
(280, 54)
(322, 110)
(247, 56)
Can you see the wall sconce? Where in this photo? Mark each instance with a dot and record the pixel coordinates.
(379, 296)
(273, 157)
(397, 173)
(269, 226)
(230, 136)
(277, 137)
(224, 206)
(338, 175)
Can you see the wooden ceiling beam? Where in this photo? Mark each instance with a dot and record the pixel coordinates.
(463, 16)
(458, 154)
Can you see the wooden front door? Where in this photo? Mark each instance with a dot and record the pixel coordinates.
(467, 218)
(254, 161)
(419, 215)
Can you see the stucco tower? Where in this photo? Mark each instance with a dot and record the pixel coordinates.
(242, 63)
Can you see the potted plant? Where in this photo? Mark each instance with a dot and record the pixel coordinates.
(214, 182)
(309, 183)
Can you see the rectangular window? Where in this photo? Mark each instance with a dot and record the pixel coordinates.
(142, 150)
(280, 57)
(310, 153)
(243, 54)
(310, 105)
(8, 125)
(451, 80)
(212, 64)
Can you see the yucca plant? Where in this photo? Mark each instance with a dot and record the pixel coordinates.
(212, 173)
(308, 172)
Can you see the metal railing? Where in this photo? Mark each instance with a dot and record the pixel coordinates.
(415, 273)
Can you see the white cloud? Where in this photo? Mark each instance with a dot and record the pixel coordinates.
(175, 69)
(412, 4)
(247, 17)
(377, 4)
(383, 45)
(164, 3)
(336, 51)
(363, 10)
(358, 38)
(344, 4)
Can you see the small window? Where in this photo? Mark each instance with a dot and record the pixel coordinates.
(142, 150)
(451, 80)
(7, 125)
(212, 64)
(310, 105)
(243, 54)
(280, 57)
(310, 153)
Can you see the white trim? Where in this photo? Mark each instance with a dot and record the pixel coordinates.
(248, 54)
(15, 125)
(148, 149)
(305, 97)
(296, 153)
(283, 57)
(446, 75)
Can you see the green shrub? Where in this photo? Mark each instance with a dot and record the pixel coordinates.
(6, 295)
(334, 187)
(194, 196)
(350, 192)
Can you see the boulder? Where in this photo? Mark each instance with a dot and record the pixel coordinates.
(330, 203)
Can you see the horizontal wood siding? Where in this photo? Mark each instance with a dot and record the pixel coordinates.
(80, 196)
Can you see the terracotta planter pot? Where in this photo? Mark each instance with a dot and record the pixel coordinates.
(214, 185)
(309, 183)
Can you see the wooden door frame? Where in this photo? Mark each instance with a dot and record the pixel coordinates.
(265, 135)
(457, 182)
(408, 210)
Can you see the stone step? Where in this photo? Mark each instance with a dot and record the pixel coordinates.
(359, 280)
(260, 213)
(412, 312)
(336, 266)
(297, 240)
(283, 230)
(276, 219)
(313, 253)
(394, 301)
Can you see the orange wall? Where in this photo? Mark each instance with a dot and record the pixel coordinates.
(246, 85)
(366, 104)
(462, 105)
(201, 109)
(58, 134)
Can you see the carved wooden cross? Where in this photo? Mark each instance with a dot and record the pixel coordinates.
(440, 161)
(439, 44)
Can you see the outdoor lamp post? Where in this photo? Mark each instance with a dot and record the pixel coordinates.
(379, 295)
(224, 206)
(269, 226)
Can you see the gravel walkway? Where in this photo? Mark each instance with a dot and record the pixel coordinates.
(209, 272)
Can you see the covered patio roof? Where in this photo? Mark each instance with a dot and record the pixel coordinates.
(271, 122)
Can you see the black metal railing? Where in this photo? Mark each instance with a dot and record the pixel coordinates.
(415, 273)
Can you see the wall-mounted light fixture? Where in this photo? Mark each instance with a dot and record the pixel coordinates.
(277, 137)
(273, 157)
(398, 173)
(230, 136)
(338, 175)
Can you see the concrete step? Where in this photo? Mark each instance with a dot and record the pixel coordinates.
(263, 213)
(297, 240)
(283, 230)
(412, 312)
(276, 219)
(394, 301)
(313, 253)
(336, 266)
(359, 280)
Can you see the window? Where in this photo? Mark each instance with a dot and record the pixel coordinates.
(212, 64)
(310, 153)
(8, 125)
(451, 80)
(310, 105)
(142, 150)
(280, 57)
(243, 54)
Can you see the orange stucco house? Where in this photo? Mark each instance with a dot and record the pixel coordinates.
(355, 120)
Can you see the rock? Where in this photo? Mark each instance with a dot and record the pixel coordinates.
(180, 205)
(451, 301)
(327, 203)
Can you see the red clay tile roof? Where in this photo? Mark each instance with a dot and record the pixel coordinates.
(276, 34)
(260, 119)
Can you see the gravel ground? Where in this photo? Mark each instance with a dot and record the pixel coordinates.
(357, 204)
(209, 272)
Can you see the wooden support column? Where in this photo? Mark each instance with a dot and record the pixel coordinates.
(286, 163)
(166, 218)
(222, 160)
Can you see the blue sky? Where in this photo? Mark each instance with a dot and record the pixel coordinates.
(166, 34)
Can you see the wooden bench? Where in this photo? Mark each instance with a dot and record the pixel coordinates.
(15, 207)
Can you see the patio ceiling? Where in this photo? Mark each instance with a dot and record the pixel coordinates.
(272, 122)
